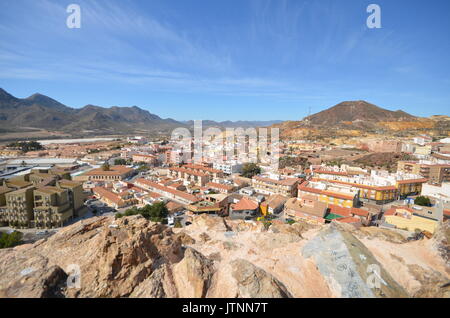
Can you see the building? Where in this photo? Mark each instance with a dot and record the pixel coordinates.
(112, 199)
(52, 207)
(286, 187)
(219, 187)
(41, 198)
(169, 193)
(148, 159)
(189, 176)
(438, 192)
(228, 167)
(330, 193)
(245, 209)
(306, 210)
(19, 208)
(378, 186)
(435, 173)
(413, 219)
(77, 197)
(273, 205)
(115, 173)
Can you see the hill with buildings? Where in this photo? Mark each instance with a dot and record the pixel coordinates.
(216, 257)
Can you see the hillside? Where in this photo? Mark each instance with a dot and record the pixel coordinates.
(214, 257)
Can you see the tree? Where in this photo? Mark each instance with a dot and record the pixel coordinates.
(250, 170)
(120, 162)
(106, 166)
(155, 212)
(422, 201)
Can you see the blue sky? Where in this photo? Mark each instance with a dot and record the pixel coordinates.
(229, 60)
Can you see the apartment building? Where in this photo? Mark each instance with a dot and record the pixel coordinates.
(265, 185)
(76, 196)
(330, 193)
(196, 177)
(147, 158)
(435, 173)
(19, 207)
(40, 194)
(228, 167)
(380, 186)
(52, 207)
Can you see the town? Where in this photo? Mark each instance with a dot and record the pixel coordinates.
(63, 181)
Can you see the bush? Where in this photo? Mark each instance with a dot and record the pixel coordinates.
(422, 201)
(10, 240)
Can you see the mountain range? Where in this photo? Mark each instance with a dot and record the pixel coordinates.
(43, 112)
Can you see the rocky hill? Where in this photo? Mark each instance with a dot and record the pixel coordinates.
(214, 257)
(351, 111)
(360, 118)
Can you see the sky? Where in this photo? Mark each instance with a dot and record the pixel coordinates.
(229, 60)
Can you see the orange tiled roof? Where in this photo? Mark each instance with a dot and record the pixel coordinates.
(245, 204)
(349, 219)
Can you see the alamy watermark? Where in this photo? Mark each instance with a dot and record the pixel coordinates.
(74, 19)
(215, 145)
(374, 19)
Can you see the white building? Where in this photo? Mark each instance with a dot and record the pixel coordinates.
(437, 192)
(228, 167)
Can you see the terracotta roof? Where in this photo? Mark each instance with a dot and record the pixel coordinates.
(360, 212)
(110, 196)
(348, 220)
(177, 193)
(114, 171)
(200, 167)
(318, 209)
(245, 204)
(422, 180)
(219, 186)
(336, 209)
(275, 201)
(173, 206)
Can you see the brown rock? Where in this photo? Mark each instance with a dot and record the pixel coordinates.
(254, 282)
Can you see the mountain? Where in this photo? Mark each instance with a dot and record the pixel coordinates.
(351, 111)
(40, 111)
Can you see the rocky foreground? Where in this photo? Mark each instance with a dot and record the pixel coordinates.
(132, 257)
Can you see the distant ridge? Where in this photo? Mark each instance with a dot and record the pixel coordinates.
(40, 111)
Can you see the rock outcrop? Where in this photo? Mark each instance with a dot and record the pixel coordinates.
(215, 257)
